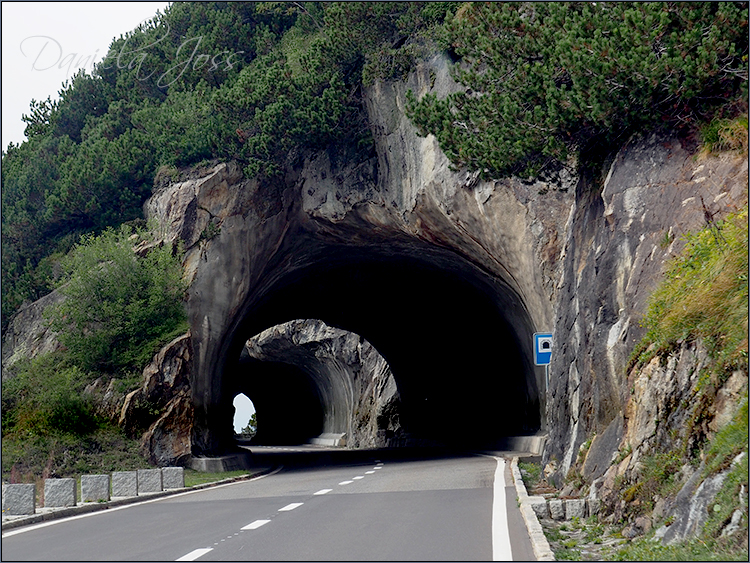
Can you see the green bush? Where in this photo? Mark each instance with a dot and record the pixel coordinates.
(44, 397)
(118, 307)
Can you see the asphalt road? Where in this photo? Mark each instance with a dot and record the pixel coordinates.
(391, 509)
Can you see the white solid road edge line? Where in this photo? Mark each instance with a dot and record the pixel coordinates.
(500, 536)
(195, 554)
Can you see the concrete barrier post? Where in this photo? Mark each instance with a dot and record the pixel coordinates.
(149, 481)
(124, 484)
(19, 499)
(575, 508)
(94, 488)
(173, 477)
(59, 492)
(557, 509)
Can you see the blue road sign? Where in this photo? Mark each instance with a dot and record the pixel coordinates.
(542, 348)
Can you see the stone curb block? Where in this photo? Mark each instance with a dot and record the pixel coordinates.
(173, 477)
(94, 507)
(19, 499)
(149, 481)
(124, 483)
(60, 492)
(94, 488)
(539, 542)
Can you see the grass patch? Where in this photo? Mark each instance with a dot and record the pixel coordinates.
(31, 457)
(531, 473)
(725, 135)
(705, 294)
(694, 550)
(193, 477)
(729, 441)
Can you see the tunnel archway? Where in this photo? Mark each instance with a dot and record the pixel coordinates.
(456, 338)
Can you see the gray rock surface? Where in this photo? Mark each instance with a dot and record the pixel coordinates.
(28, 334)
(19, 499)
(160, 412)
(603, 450)
(556, 509)
(124, 483)
(59, 492)
(621, 233)
(358, 393)
(575, 508)
(94, 488)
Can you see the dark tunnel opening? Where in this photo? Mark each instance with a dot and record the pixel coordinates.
(287, 403)
(452, 341)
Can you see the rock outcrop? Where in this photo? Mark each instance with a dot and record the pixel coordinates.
(29, 334)
(358, 395)
(160, 412)
(255, 249)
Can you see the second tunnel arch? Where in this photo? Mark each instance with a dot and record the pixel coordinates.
(457, 339)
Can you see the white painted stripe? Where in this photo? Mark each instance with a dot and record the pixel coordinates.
(358, 477)
(378, 467)
(345, 482)
(255, 525)
(323, 491)
(195, 554)
(291, 506)
(369, 472)
(500, 535)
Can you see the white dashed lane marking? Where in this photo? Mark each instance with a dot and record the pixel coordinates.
(195, 554)
(255, 525)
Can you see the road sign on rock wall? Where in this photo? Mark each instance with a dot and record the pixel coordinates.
(542, 348)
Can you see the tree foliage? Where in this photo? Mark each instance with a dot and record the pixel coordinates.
(264, 82)
(543, 78)
(258, 82)
(118, 307)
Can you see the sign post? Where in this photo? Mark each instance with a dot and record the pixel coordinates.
(543, 352)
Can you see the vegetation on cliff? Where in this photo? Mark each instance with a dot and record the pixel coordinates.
(119, 309)
(264, 82)
(544, 79)
(255, 82)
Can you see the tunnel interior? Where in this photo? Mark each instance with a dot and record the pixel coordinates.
(287, 403)
(452, 337)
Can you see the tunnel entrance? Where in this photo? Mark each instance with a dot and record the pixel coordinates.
(456, 339)
(287, 402)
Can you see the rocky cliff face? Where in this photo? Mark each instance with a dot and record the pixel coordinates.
(331, 242)
(619, 239)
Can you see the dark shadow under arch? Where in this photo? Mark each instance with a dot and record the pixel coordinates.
(457, 340)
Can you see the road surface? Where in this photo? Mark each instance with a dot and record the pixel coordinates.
(440, 508)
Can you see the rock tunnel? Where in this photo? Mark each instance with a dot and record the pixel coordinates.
(456, 340)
